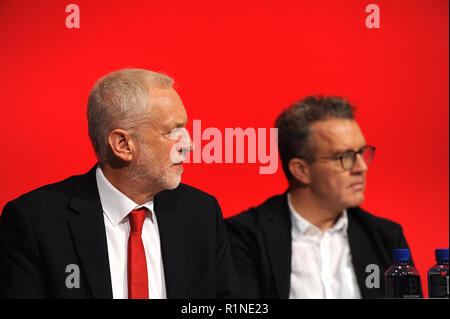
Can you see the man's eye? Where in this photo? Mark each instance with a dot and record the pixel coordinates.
(175, 130)
(177, 133)
(169, 133)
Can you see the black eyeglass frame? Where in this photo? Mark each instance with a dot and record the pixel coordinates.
(353, 155)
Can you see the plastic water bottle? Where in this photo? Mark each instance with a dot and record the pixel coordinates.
(402, 279)
(438, 276)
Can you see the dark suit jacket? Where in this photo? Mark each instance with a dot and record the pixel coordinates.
(61, 224)
(261, 247)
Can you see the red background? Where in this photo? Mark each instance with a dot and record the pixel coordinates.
(238, 64)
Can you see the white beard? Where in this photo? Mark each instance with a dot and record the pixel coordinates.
(149, 175)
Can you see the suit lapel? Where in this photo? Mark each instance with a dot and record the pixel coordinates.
(277, 232)
(171, 224)
(88, 231)
(360, 249)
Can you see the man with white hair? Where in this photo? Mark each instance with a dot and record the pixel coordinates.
(127, 228)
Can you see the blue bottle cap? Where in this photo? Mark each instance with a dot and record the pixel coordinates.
(401, 255)
(441, 254)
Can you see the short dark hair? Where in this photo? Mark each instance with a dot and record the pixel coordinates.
(294, 124)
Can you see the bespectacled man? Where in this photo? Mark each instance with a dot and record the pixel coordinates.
(314, 241)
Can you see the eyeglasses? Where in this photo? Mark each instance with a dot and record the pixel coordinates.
(348, 159)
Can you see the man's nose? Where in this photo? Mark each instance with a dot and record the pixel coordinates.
(185, 142)
(360, 164)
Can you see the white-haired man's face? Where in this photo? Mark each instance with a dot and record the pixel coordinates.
(164, 141)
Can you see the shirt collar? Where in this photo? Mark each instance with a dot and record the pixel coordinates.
(305, 227)
(342, 223)
(115, 204)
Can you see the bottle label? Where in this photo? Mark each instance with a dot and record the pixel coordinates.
(403, 287)
(438, 284)
(447, 284)
(412, 288)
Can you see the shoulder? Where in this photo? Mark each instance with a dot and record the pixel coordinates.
(40, 209)
(255, 217)
(48, 195)
(360, 217)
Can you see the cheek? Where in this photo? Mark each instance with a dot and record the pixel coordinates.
(167, 153)
(171, 153)
(337, 185)
(331, 180)
(334, 187)
(162, 149)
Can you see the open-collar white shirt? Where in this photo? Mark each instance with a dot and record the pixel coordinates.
(321, 264)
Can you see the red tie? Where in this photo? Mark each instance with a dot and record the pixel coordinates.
(137, 264)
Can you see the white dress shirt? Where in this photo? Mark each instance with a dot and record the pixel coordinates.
(116, 207)
(321, 261)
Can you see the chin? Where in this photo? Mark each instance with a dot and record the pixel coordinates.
(356, 201)
(172, 182)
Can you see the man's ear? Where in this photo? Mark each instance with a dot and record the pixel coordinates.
(300, 170)
(122, 145)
